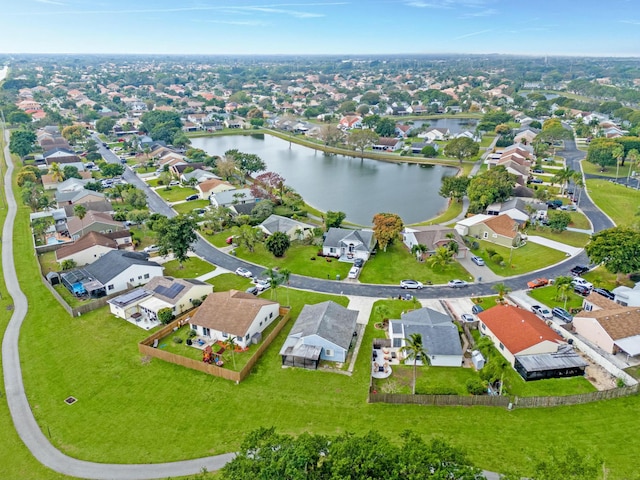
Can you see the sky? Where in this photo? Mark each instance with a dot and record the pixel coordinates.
(245, 27)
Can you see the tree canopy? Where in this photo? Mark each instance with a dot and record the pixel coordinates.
(277, 243)
(617, 248)
(454, 187)
(161, 125)
(494, 185)
(22, 142)
(386, 228)
(461, 148)
(176, 235)
(247, 163)
(334, 219)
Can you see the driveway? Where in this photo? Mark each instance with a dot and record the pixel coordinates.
(563, 247)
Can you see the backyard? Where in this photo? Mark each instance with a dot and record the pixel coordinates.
(174, 194)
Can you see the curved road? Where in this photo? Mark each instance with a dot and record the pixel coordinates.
(24, 421)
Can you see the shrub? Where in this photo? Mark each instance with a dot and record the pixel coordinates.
(497, 258)
(491, 252)
(177, 339)
(165, 315)
(192, 333)
(475, 245)
(475, 386)
(196, 302)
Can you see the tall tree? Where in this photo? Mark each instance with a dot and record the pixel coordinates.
(330, 135)
(461, 148)
(386, 228)
(333, 219)
(285, 274)
(80, 211)
(277, 243)
(247, 236)
(56, 172)
(22, 142)
(386, 127)
(176, 235)
(454, 187)
(494, 185)
(562, 177)
(362, 138)
(415, 350)
(617, 248)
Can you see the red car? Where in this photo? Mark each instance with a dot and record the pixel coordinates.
(229, 240)
(538, 282)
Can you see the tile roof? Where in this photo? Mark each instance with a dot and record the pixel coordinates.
(516, 328)
(88, 240)
(230, 312)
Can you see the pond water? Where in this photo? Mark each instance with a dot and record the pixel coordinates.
(358, 187)
(455, 125)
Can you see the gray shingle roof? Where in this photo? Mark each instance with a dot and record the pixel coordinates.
(115, 262)
(439, 334)
(277, 223)
(328, 320)
(362, 239)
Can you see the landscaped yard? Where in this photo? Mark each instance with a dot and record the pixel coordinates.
(603, 278)
(525, 259)
(594, 169)
(397, 263)
(217, 239)
(575, 239)
(617, 201)
(175, 194)
(229, 281)
(188, 207)
(193, 267)
(549, 297)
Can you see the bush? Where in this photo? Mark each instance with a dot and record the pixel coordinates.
(192, 333)
(497, 258)
(475, 386)
(491, 252)
(196, 302)
(177, 339)
(475, 245)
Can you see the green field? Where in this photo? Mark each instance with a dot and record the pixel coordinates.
(611, 171)
(175, 194)
(549, 296)
(617, 201)
(188, 207)
(523, 260)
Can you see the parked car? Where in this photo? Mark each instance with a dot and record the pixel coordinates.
(553, 204)
(151, 249)
(414, 284)
(579, 270)
(582, 282)
(542, 312)
(467, 317)
(262, 284)
(538, 282)
(476, 309)
(535, 180)
(562, 314)
(229, 240)
(569, 208)
(243, 272)
(538, 170)
(353, 273)
(457, 283)
(174, 183)
(477, 260)
(192, 197)
(581, 290)
(605, 293)
(358, 262)
(253, 290)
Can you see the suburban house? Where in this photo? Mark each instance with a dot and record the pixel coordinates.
(519, 209)
(237, 314)
(93, 222)
(211, 186)
(114, 272)
(433, 134)
(198, 174)
(501, 229)
(533, 349)
(626, 296)
(525, 136)
(440, 336)
(610, 326)
(323, 331)
(387, 144)
(348, 245)
(228, 198)
(78, 197)
(61, 156)
(144, 303)
(434, 236)
(350, 121)
(93, 245)
(294, 229)
(417, 147)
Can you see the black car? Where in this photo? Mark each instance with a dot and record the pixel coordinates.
(358, 262)
(582, 290)
(553, 204)
(605, 293)
(538, 170)
(579, 270)
(193, 197)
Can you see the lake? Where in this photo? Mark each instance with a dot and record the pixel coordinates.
(358, 187)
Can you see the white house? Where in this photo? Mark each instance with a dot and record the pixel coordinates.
(627, 297)
(231, 197)
(440, 336)
(93, 245)
(237, 314)
(322, 332)
(294, 229)
(348, 245)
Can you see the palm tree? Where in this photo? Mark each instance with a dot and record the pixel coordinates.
(633, 156)
(275, 279)
(563, 176)
(418, 249)
(57, 175)
(441, 257)
(230, 344)
(80, 211)
(502, 290)
(415, 350)
(285, 275)
(563, 287)
(618, 154)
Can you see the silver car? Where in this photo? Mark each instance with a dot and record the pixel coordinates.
(414, 284)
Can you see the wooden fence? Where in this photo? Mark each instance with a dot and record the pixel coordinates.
(146, 348)
(448, 400)
(529, 402)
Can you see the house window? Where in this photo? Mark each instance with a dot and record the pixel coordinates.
(483, 326)
(239, 340)
(260, 323)
(206, 331)
(139, 277)
(111, 287)
(146, 275)
(332, 250)
(328, 352)
(271, 315)
(246, 338)
(225, 335)
(131, 280)
(485, 235)
(501, 346)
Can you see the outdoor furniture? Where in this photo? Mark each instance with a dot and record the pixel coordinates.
(155, 343)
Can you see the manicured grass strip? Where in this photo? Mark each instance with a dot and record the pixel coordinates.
(549, 296)
(217, 239)
(193, 267)
(579, 220)
(229, 281)
(594, 169)
(617, 201)
(175, 194)
(189, 207)
(524, 259)
(575, 239)
(397, 264)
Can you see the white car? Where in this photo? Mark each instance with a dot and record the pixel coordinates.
(353, 273)
(478, 261)
(262, 284)
(151, 249)
(582, 282)
(542, 312)
(243, 272)
(457, 283)
(411, 284)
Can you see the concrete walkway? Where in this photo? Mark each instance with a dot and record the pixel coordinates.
(568, 249)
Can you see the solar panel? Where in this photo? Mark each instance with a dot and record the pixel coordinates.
(131, 296)
(169, 292)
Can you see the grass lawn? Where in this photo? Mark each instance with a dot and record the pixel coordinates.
(547, 295)
(188, 207)
(229, 281)
(486, 140)
(175, 194)
(48, 262)
(617, 201)
(575, 239)
(595, 169)
(192, 268)
(298, 260)
(579, 220)
(524, 259)
(603, 278)
(217, 239)
(486, 302)
(397, 264)
(453, 210)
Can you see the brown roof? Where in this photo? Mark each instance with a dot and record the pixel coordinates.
(212, 183)
(74, 224)
(387, 141)
(432, 235)
(516, 328)
(619, 323)
(88, 240)
(502, 225)
(601, 302)
(230, 312)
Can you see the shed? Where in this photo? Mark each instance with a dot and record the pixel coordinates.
(53, 278)
(477, 359)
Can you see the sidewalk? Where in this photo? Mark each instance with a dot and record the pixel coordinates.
(568, 249)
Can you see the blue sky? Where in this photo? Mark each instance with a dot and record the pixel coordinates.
(539, 27)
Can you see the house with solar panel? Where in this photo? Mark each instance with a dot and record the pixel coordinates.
(141, 306)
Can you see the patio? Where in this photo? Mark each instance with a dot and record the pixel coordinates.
(382, 359)
(142, 321)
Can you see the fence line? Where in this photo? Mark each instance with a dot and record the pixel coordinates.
(529, 402)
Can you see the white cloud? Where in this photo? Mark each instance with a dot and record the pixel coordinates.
(630, 22)
(482, 13)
